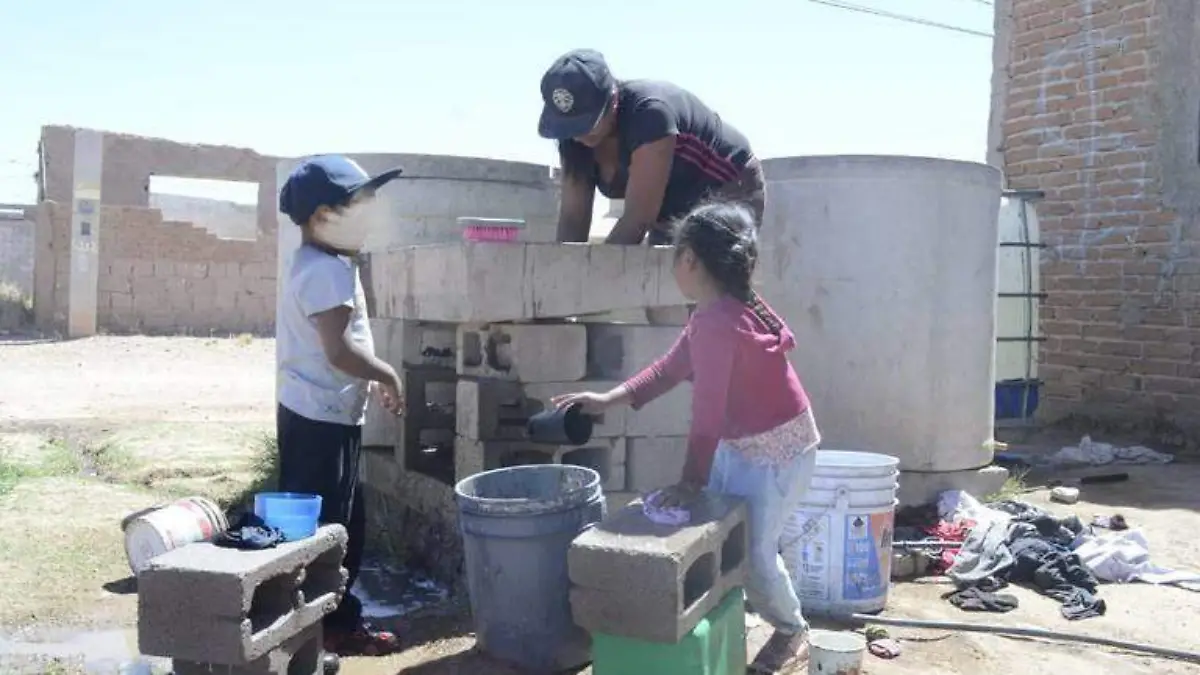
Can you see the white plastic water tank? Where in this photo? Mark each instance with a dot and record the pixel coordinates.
(1019, 290)
(885, 268)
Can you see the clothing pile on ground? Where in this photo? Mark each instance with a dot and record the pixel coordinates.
(1015, 542)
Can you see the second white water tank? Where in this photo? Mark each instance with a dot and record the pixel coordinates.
(885, 268)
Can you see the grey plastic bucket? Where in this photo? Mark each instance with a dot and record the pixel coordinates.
(517, 524)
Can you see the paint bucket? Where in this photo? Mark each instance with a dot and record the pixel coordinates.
(837, 544)
(153, 532)
(835, 653)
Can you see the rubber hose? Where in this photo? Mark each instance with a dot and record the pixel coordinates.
(1025, 632)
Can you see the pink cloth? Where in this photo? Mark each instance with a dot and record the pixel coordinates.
(742, 383)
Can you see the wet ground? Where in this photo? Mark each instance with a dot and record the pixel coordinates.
(389, 594)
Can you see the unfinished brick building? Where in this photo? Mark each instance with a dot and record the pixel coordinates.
(1097, 104)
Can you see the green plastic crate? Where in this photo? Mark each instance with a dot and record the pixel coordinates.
(716, 646)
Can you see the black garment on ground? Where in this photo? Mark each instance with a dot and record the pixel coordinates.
(709, 152)
(1057, 573)
(983, 597)
(322, 458)
(249, 533)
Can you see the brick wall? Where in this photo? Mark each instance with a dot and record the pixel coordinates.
(160, 277)
(157, 276)
(16, 254)
(1099, 109)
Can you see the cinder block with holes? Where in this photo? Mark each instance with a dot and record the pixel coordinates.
(633, 578)
(652, 463)
(300, 654)
(430, 400)
(414, 344)
(491, 409)
(206, 604)
(550, 352)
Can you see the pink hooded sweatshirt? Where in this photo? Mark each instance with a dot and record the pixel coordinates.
(742, 382)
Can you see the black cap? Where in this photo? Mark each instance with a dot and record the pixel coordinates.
(326, 180)
(576, 89)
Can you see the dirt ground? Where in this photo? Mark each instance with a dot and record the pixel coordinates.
(91, 430)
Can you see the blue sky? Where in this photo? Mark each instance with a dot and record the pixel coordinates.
(461, 76)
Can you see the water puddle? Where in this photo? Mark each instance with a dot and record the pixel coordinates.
(106, 652)
(387, 592)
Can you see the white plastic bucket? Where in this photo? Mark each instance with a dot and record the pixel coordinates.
(837, 545)
(835, 653)
(153, 532)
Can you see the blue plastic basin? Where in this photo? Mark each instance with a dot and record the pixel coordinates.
(294, 513)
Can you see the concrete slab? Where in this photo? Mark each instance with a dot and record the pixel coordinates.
(523, 352)
(637, 579)
(924, 488)
(473, 282)
(300, 654)
(208, 604)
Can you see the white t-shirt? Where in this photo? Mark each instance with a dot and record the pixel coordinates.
(308, 384)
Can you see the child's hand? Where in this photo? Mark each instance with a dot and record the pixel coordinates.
(678, 496)
(593, 403)
(391, 397)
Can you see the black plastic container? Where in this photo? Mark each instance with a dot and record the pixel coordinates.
(561, 426)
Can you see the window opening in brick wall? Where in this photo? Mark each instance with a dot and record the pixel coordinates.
(227, 209)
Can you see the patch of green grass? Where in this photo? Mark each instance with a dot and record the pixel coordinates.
(245, 339)
(54, 459)
(264, 467)
(107, 460)
(1012, 489)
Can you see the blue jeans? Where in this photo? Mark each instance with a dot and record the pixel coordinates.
(772, 494)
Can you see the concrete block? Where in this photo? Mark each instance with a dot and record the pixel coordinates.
(652, 463)
(207, 604)
(617, 500)
(636, 579)
(381, 428)
(608, 425)
(923, 488)
(667, 415)
(618, 352)
(414, 344)
(474, 456)
(475, 282)
(300, 654)
(605, 455)
(490, 410)
(523, 352)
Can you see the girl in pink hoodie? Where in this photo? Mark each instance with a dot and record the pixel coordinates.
(752, 433)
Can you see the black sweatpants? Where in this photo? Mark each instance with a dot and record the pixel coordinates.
(322, 458)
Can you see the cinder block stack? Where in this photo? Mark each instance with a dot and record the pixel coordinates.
(219, 610)
(471, 388)
(635, 579)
